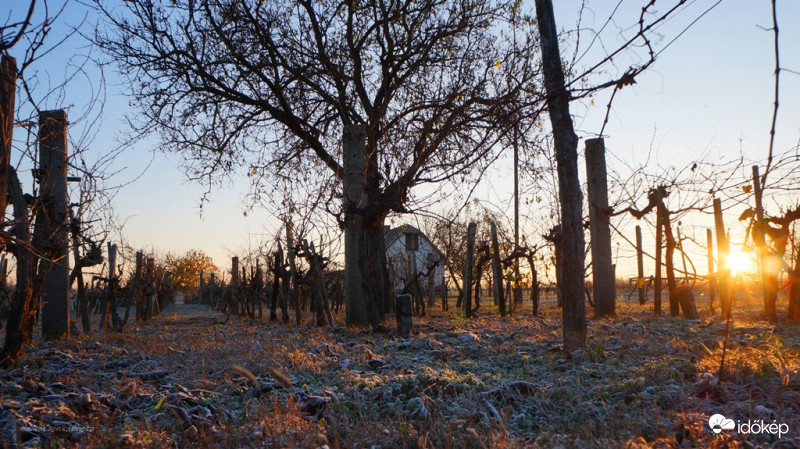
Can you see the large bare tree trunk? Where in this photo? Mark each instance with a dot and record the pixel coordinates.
(569, 186)
(379, 271)
(367, 265)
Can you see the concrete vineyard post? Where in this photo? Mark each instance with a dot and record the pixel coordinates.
(602, 271)
(50, 234)
(354, 164)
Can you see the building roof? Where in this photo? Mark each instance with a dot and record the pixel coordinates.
(393, 234)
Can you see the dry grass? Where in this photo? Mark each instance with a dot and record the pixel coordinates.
(489, 382)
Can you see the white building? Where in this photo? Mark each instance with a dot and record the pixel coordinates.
(408, 249)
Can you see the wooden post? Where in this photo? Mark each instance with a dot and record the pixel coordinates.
(321, 286)
(8, 86)
(108, 308)
(768, 270)
(113, 281)
(431, 288)
(444, 289)
(212, 290)
(602, 272)
(354, 165)
(235, 285)
(392, 283)
(723, 270)
(711, 277)
(659, 245)
(201, 290)
(467, 278)
(162, 292)
(51, 236)
(417, 294)
(83, 302)
(317, 288)
(138, 286)
(497, 272)
(243, 296)
(276, 279)
(517, 289)
(640, 281)
(150, 286)
(260, 290)
(284, 298)
(293, 273)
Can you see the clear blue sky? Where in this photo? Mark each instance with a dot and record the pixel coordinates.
(708, 97)
(709, 92)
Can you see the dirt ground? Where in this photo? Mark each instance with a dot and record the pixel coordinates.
(190, 379)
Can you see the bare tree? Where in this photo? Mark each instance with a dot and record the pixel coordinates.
(271, 85)
(30, 41)
(569, 186)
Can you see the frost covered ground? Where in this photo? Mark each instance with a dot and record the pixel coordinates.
(490, 382)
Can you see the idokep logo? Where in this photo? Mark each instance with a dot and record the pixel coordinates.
(719, 422)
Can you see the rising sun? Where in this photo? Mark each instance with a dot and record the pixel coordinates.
(741, 262)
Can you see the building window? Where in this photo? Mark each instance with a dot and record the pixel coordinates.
(412, 242)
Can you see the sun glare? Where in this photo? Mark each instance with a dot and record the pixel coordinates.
(741, 262)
